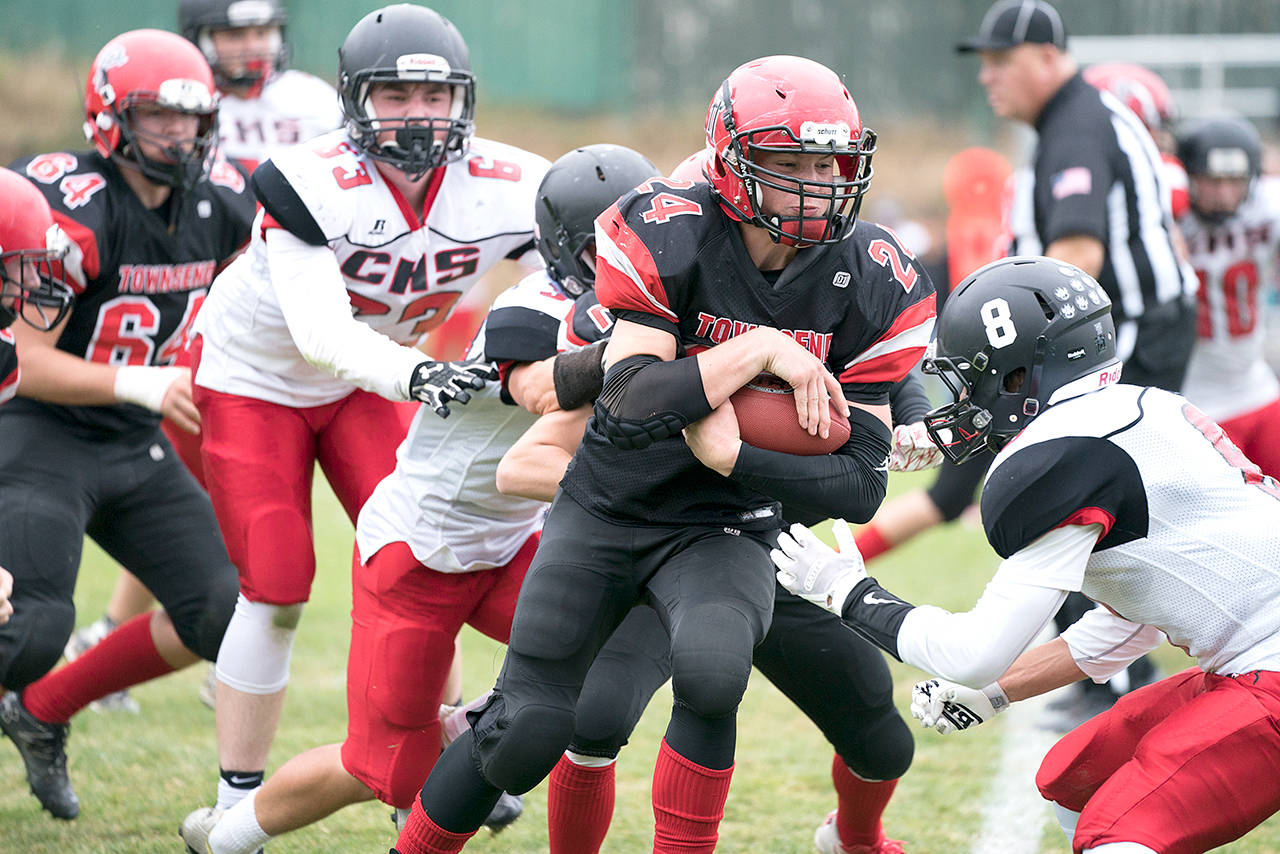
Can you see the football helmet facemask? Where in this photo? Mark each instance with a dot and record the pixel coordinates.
(1219, 148)
(575, 190)
(157, 69)
(788, 104)
(407, 44)
(197, 19)
(1014, 337)
(31, 251)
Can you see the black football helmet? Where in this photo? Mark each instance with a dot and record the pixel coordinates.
(196, 18)
(398, 44)
(1220, 148)
(1011, 335)
(576, 189)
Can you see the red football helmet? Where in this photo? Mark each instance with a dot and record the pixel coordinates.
(152, 67)
(31, 251)
(787, 103)
(1138, 87)
(692, 168)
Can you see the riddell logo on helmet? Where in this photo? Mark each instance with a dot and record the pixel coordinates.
(422, 65)
(1109, 376)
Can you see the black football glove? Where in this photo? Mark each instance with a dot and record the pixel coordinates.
(438, 383)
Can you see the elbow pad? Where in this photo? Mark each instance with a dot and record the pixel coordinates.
(645, 400)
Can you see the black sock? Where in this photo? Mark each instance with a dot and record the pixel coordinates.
(242, 779)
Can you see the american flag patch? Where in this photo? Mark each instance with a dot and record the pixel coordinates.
(1076, 181)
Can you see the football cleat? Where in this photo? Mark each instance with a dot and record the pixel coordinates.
(504, 812)
(827, 839)
(43, 749)
(197, 826)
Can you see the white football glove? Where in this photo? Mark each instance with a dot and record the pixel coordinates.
(438, 383)
(948, 707)
(813, 570)
(913, 450)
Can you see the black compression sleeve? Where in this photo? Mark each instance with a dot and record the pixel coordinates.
(848, 484)
(578, 376)
(907, 400)
(876, 614)
(645, 400)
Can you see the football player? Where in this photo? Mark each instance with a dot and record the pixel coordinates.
(305, 351)
(437, 545)
(1129, 494)
(31, 287)
(803, 647)
(151, 213)
(702, 278)
(1233, 235)
(265, 106)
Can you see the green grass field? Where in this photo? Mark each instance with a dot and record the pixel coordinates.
(137, 776)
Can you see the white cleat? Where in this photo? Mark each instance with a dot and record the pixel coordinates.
(196, 828)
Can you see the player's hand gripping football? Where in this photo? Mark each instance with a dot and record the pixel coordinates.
(437, 384)
(813, 570)
(913, 450)
(948, 707)
(813, 384)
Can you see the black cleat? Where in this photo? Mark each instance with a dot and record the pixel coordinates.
(43, 749)
(504, 812)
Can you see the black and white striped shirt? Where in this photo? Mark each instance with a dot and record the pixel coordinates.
(1097, 173)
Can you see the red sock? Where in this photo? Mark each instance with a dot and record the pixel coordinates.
(688, 803)
(579, 806)
(859, 805)
(421, 835)
(125, 657)
(871, 543)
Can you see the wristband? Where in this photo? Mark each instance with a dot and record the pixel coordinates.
(145, 386)
(578, 376)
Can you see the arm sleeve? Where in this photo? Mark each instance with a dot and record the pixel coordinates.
(314, 302)
(849, 484)
(975, 647)
(646, 399)
(1103, 644)
(907, 400)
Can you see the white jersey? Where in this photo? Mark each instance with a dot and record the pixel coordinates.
(442, 499)
(402, 275)
(1190, 543)
(293, 107)
(1236, 264)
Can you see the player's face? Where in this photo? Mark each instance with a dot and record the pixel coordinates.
(17, 273)
(411, 100)
(1215, 196)
(1016, 80)
(157, 131)
(242, 50)
(798, 167)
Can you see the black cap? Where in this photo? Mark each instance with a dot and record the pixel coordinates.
(1010, 23)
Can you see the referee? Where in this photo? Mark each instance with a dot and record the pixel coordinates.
(1094, 196)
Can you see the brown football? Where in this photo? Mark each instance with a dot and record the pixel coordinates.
(766, 412)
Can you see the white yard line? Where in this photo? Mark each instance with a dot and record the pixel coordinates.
(1014, 815)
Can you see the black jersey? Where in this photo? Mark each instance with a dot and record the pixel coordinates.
(137, 284)
(1097, 173)
(669, 258)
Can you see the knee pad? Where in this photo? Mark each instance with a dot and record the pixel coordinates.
(517, 751)
(201, 628)
(876, 744)
(254, 657)
(31, 642)
(711, 660)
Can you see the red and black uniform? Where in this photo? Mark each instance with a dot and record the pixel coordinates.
(8, 366)
(654, 525)
(139, 276)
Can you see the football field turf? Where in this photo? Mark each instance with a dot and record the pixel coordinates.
(137, 776)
